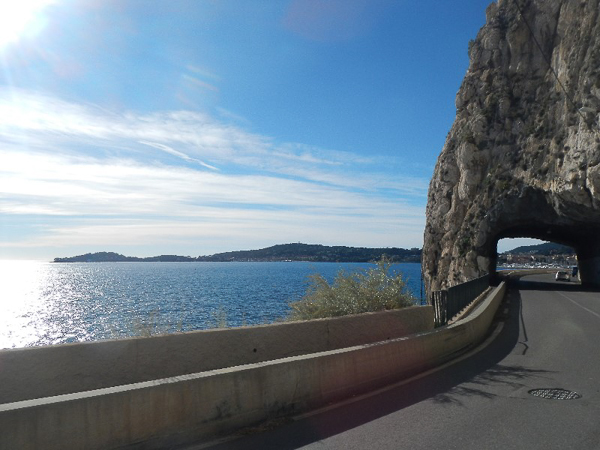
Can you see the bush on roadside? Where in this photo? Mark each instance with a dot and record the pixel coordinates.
(353, 293)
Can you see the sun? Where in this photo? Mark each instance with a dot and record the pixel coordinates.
(19, 18)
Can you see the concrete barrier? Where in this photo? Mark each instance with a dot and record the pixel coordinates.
(37, 372)
(193, 407)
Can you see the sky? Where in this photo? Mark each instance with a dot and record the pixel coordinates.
(194, 127)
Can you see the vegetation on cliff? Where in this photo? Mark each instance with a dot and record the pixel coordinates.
(317, 253)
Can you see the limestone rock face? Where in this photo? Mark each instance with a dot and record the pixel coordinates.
(522, 158)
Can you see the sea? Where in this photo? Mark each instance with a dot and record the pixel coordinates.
(56, 303)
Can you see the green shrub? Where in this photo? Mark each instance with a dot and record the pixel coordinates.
(353, 293)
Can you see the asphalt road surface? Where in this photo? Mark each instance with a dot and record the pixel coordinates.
(548, 338)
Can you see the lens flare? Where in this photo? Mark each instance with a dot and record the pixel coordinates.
(21, 18)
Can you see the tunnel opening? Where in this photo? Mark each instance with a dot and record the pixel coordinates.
(527, 253)
(535, 216)
(545, 247)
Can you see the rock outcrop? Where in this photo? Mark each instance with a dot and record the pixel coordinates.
(522, 158)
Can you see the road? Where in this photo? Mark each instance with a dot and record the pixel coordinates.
(548, 337)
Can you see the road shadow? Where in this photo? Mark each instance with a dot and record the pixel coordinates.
(513, 376)
(445, 386)
(515, 341)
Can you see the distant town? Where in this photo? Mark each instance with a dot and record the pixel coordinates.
(542, 255)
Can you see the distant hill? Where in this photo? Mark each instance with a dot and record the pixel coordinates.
(283, 252)
(546, 249)
(116, 257)
(317, 253)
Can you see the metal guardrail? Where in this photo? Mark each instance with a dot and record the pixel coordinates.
(448, 303)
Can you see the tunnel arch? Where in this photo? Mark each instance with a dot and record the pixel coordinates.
(583, 238)
(545, 259)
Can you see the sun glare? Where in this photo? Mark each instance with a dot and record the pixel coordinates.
(20, 17)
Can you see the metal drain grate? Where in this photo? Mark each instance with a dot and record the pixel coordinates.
(555, 394)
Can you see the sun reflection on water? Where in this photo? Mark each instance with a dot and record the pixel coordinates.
(22, 283)
(43, 303)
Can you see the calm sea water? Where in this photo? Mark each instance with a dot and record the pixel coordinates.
(50, 303)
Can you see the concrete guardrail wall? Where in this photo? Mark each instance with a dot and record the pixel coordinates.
(194, 407)
(36, 372)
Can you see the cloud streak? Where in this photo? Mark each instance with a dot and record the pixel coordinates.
(171, 151)
(97, 177)
(197, 138)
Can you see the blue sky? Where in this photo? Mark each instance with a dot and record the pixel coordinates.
(199, 126)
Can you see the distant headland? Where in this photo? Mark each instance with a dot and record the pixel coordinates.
(282, 252)
(309, 252)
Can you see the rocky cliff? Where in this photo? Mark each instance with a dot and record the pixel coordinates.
(522, 158)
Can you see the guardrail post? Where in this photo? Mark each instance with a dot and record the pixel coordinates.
(439, 301)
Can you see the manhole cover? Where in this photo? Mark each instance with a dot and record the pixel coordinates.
(555, 394)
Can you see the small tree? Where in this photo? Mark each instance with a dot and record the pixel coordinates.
(353, 293)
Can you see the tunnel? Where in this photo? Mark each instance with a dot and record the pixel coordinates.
(584, 240)
(539, 214)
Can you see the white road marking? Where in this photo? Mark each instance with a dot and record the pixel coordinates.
(581, 306)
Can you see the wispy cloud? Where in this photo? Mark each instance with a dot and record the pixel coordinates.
(172, 151)
(191, 136)
(79, 186)
(96, 177)
(199, 83)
